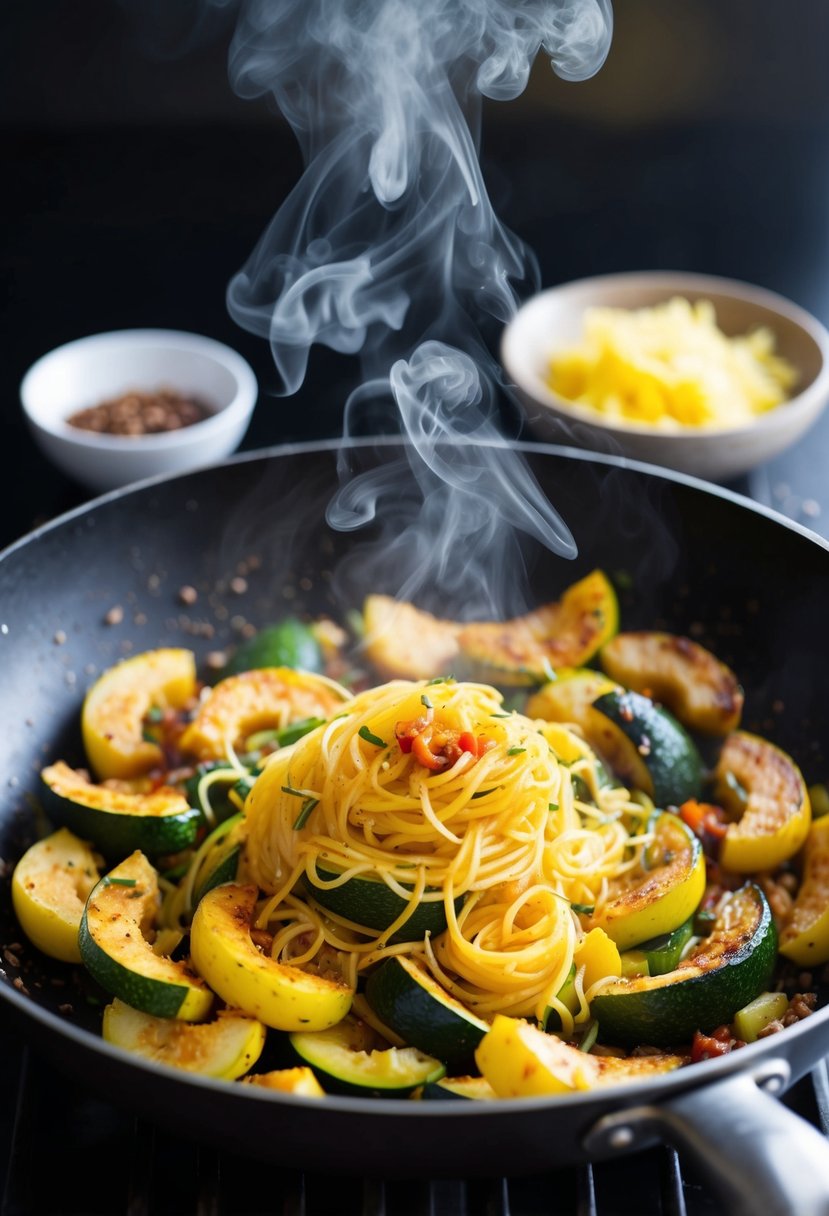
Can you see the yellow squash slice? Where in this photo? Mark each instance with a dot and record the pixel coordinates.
(115, 707)
(281, 996)
(764, 786)
(50, 886)
(225, 1048)
(805, 939)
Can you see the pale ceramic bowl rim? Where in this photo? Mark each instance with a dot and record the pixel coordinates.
(52, 419)
(670, 283)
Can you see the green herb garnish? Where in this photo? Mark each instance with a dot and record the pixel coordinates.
(119, 882)
(366, 734)
(515, 751)
(307, 807)
(584, 909)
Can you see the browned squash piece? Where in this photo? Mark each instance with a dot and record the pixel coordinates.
(700, 691)
(403, 642)
(567, 633)
(266, 698)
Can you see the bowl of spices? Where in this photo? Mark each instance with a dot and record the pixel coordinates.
(706, 375)
(115, 408)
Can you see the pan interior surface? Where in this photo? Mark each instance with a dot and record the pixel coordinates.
(251, 538)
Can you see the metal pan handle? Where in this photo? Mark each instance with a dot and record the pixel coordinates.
(757, 1154)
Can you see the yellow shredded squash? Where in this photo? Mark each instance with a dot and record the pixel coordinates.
(670, 366)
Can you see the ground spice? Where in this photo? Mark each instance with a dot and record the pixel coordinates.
(141, 413)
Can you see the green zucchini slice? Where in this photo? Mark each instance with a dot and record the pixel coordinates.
(407, 999)
(475, 1089)
(659, 955)
(115, 951)
(716, 978)
(345, 1061)
(290, 643)
(118, 823)
(367, 901)
(645, 735)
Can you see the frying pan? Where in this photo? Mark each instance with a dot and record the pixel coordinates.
(748, 584)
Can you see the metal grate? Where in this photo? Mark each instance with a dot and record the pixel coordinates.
(70, 1154)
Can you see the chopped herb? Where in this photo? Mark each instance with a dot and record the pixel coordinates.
(441, 680)
(552, 806)
(515, 751)
(500, 715)
(307, 807)
(148, 737)
(424, 700)
(483, 793)
(584, 909)
(366, 734)
(289, 789)
(119, 882)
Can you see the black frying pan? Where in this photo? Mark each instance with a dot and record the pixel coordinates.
(746, 583)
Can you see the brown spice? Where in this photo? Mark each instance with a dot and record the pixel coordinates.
(141, 413)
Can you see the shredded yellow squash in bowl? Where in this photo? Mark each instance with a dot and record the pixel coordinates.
(670, 366)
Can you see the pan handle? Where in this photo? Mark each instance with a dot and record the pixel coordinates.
(757, 1154)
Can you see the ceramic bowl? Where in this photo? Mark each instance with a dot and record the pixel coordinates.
(553, 319)
(103, 366)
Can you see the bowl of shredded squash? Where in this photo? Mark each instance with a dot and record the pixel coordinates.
(705, 375)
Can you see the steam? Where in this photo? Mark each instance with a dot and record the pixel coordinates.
(389, 248)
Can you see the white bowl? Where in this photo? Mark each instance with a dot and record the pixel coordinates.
(553, 319)
(94, 369)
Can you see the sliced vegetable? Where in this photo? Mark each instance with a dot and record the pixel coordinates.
(220, 863)
(757, 1014)
(366, 900)
(345, 1061)
(50, 886)
(114, 709)
(640, 734)
(805, 939)
(281, 996)
(226, 1048)
(568, 996)
(290, 643)
(474, 1089)
(264, 699)
(696, 687)
(119, 823)
(402, 641)
(763, 785)
(300, 1081)
(662, 892)
(658, 955)
(416, 1007)
(521, 1061)
(716, 978)
(598, 954)
(121, 910)
(567, 633)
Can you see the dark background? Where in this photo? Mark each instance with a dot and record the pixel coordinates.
(136, 183)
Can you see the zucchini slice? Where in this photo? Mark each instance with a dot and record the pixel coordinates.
(567, 633)
(220, 864)
(116, 952)
(117, 822)
(283, 997)
(367, 901)
(345, 1061)
(290, 643)
(474, 1089)
(763, 785)
(226, 1048)
(659, 899)
(264, 699)
(805, 939)
(407, 998)
(115, 707)
(716, 978)
(50, 886)
(299, 1081)
(696, 687)
(643, 734)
